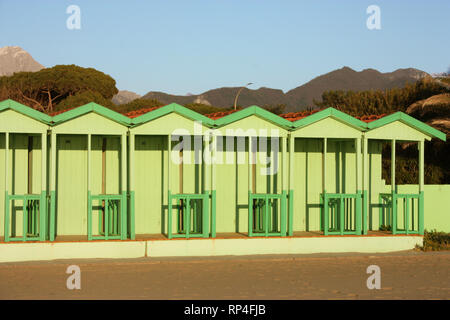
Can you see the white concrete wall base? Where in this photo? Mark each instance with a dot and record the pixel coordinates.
(35, 251)
(254, 246)
(15, 251)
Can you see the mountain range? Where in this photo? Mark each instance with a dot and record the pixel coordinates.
(15, 59)
(301, 97)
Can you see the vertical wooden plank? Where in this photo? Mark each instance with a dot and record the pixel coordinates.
(365, 185)
(324, 173)
(131, 166)
(324, 165)
(359, 177)
(7, 204)
(53, 165)
(43, 202)
(250, 199)
(89, 209)
(169, 195)
(394, 198)
(123, 202)
(421, 165)
(291, 185)
(30, 165)
(393, 165)
(421, 225)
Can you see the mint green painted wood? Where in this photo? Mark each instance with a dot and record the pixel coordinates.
(186, 202)
(344, 209)
(308, 176)
(269, 222)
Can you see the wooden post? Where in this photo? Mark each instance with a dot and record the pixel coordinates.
(169, 200)
(291, 186)
(394, 198)
(89, 186)
(358, 207)
(421, 225)
(250, 179)
(123, 211)
(43, 206)
(7, 205)
(365, 183)
(325, 200)
(213, 186)
(131, 164)
(53, 186)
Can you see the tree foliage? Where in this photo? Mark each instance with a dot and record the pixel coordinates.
(378, 101)
(46, 89)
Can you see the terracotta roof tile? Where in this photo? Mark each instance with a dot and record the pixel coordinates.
(220, 114)
(139, 112)
(294, 116)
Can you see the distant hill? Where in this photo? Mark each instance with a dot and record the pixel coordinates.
(301, 97)
(124, 96)
(349, 79)
(15, 59)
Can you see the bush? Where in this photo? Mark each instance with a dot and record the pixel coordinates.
(435, 241)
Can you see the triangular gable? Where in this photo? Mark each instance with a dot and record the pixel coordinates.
(91, 107)
(172, 108)
(333, 113)
(25, 110)
(257, 111)
(385, 122)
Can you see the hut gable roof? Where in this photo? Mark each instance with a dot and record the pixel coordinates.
(408, 120)
(91, 107)
(172, 108)
(27, 111)
(253, 110)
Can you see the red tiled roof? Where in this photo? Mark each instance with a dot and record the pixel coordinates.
(138, 112)
(371, 117)
(54, 113)
(291, 116)
(294, 116)
(220, 114)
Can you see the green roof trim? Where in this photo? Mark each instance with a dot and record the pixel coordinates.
(25, 110)
(91, 107)
(330, 112)
(173, 107)
(254, 110)
(408, 120)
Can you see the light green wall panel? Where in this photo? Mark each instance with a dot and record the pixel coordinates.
(376, 183)
(308, 177)
(232, 183)
(150, 183)
(71, 201)
(112, 154)
(18, 173)
(232, 188)
(436, 204)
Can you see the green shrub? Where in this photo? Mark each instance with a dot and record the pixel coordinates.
(435, 241)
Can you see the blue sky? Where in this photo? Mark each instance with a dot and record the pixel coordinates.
(180, 46)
